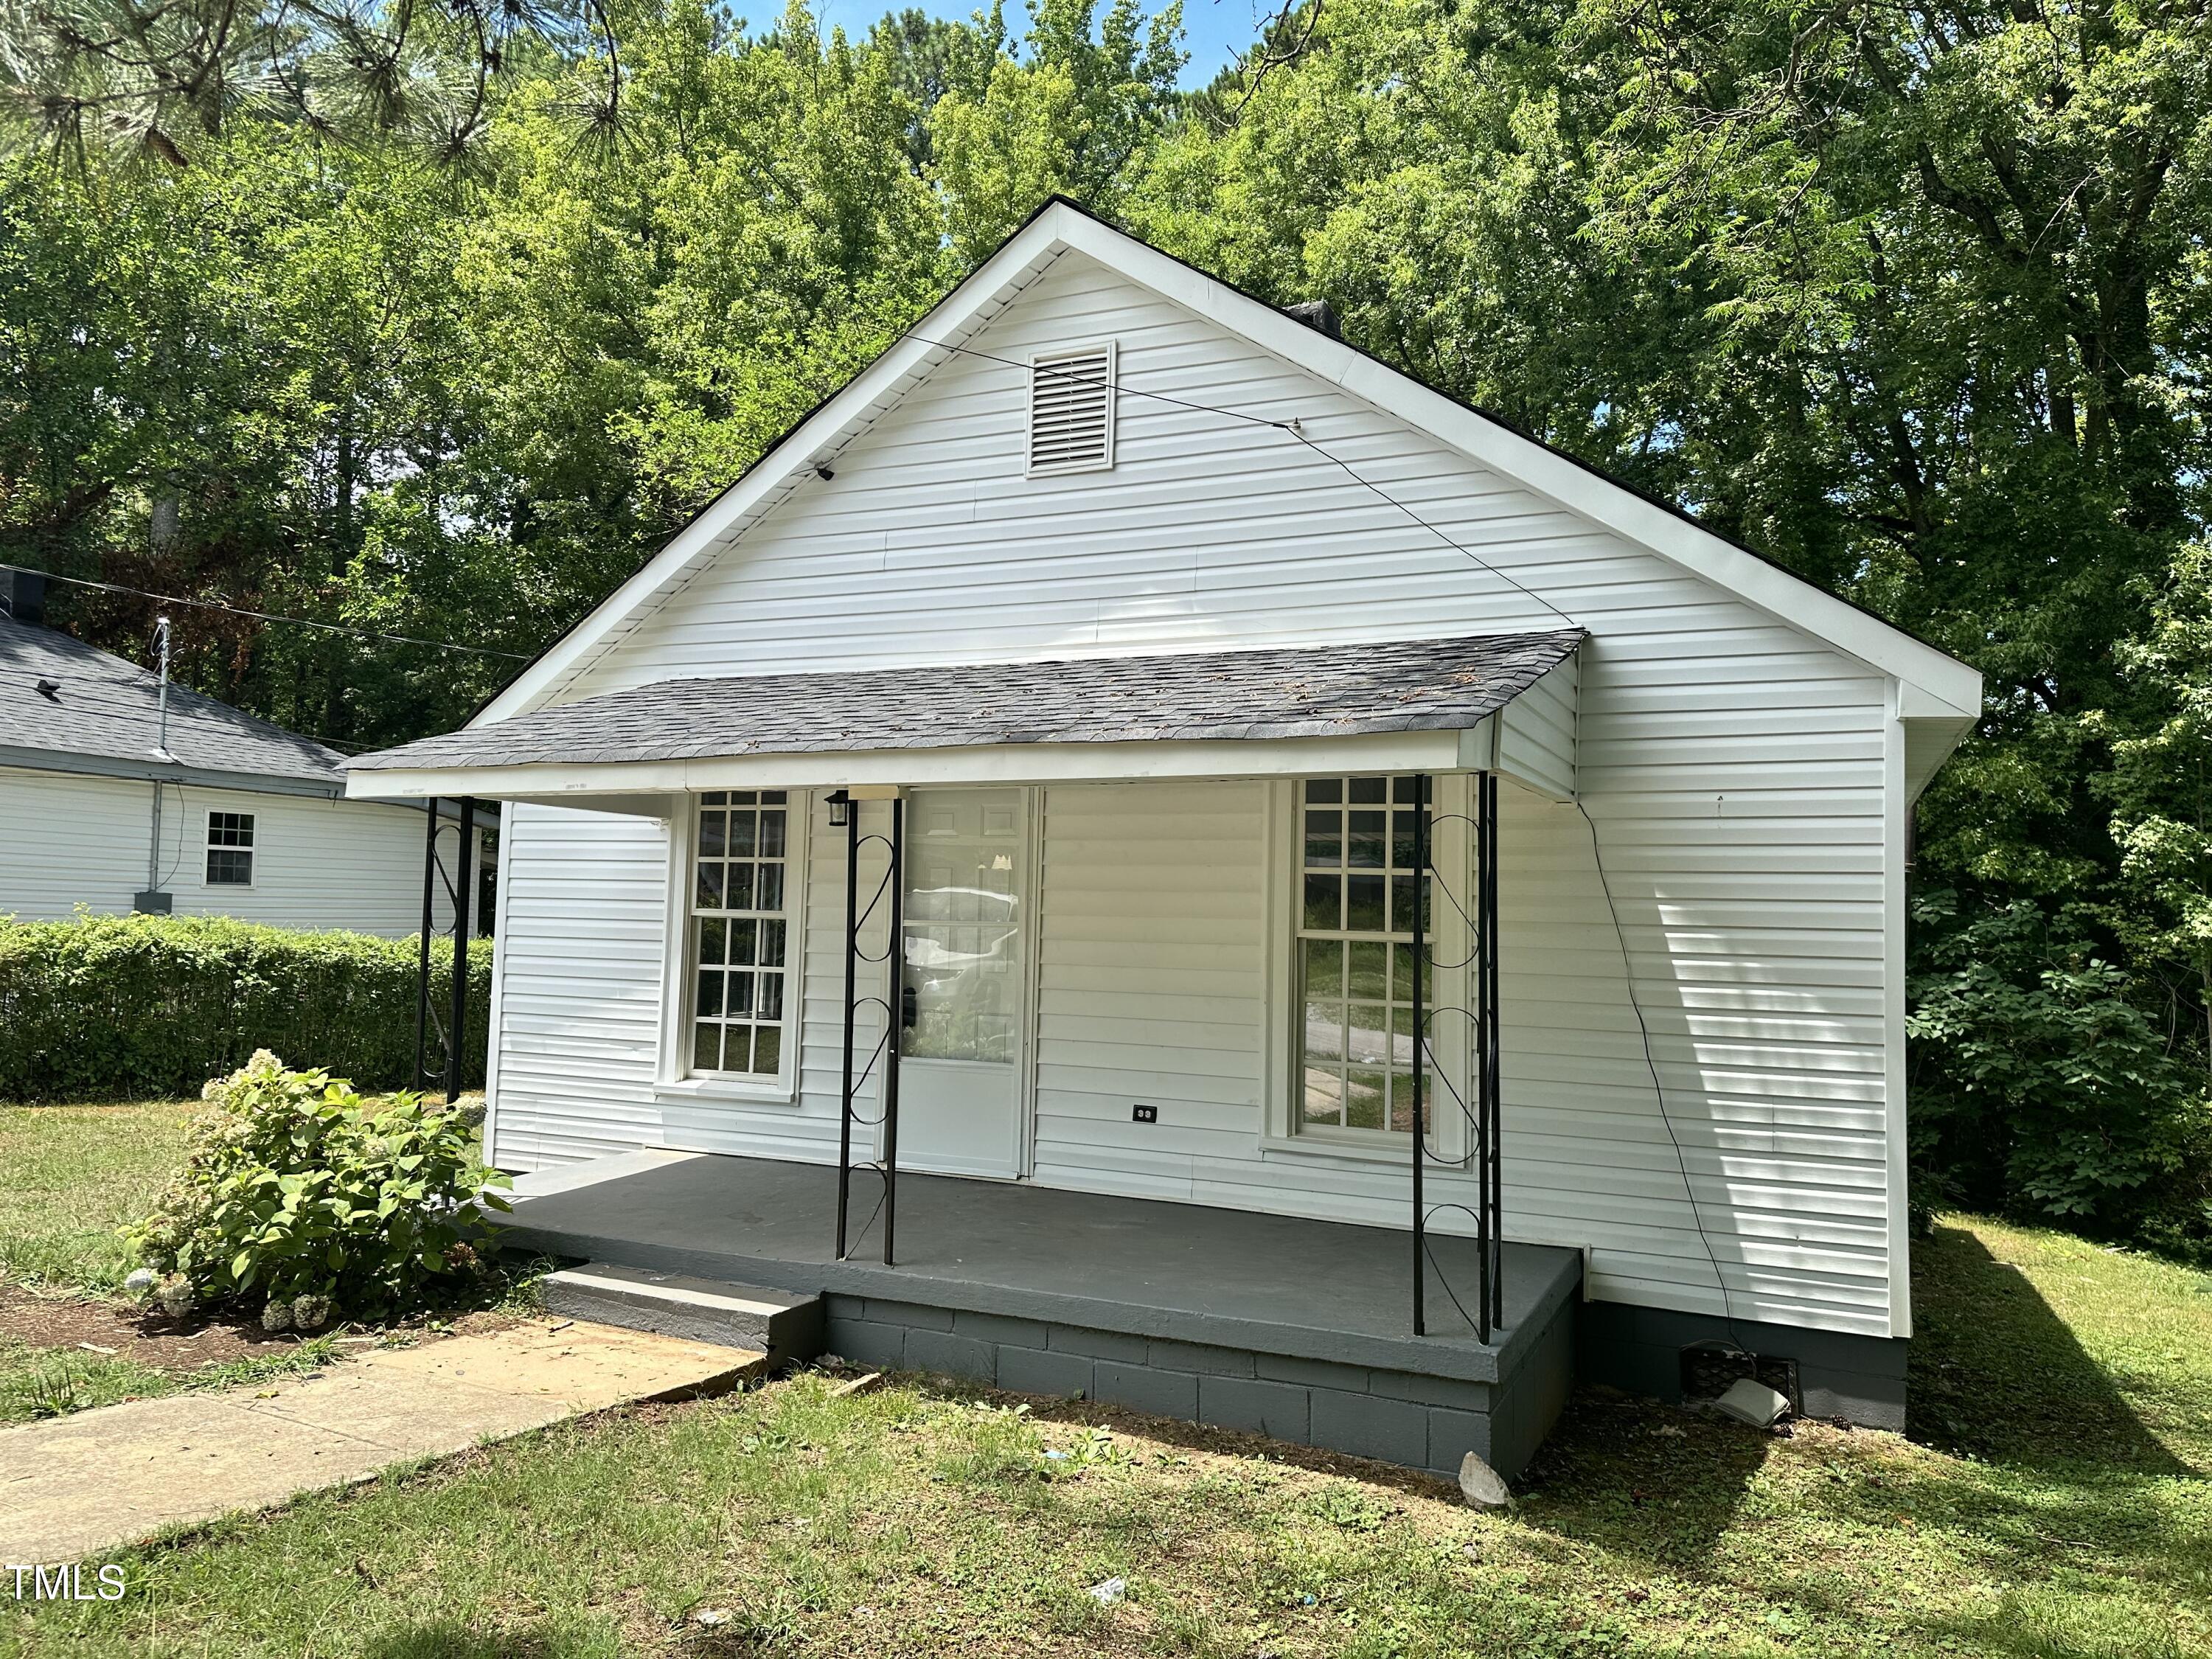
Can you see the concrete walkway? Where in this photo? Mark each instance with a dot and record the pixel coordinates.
(83, 1484)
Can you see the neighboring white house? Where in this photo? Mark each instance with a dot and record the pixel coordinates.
(234, 817)
(1151, 602)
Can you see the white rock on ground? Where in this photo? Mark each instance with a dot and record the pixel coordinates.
(1481, 1486)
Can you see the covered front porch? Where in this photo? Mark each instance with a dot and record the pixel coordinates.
(1284, 1326)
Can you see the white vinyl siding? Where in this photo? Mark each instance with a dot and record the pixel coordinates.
(582, 921)
(1152, 983)
(73, 838)
(583, 952)
(1735, 766)
(1536, 732)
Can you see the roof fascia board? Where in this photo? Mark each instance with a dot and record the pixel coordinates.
(957, 314)
(1789, 599)
(201, 777)
(991, 763)
(107, 766)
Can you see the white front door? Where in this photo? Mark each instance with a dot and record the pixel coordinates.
(963, 1014)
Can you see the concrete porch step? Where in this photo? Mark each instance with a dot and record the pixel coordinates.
(787, 1326)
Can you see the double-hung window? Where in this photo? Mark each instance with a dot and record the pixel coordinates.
(230, 850)
(1357, 885)
(740, 933)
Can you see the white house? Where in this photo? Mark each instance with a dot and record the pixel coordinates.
(214, 812)
(1153, 612)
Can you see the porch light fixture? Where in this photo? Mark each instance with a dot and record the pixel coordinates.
(840, 808)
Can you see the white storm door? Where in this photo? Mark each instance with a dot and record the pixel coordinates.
(963, 1015)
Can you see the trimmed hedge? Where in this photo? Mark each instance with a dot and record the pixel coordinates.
(130, 1007)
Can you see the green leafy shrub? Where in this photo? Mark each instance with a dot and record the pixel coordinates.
(302, 1199)
(107, 1007)
(2042, 1087)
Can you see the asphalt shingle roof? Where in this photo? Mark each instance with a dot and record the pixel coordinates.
(106, 709)
(1304, 691)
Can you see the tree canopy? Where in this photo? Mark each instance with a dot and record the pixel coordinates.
(1912, 297)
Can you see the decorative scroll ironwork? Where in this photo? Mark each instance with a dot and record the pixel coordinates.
(450, 1033)
(1483, 1115)
(892, 886)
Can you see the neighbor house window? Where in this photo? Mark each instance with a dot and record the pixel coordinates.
(1357, 889)
(230, 850)
(739, 931)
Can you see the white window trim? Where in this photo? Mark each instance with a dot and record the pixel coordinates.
(1452, 802)
(671, 1078)
(207, 846)
(1046, 358)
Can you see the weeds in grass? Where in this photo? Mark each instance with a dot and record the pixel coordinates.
(38, 1382)
(1084, 1448)
(1352, 1509)
(1003, 1445)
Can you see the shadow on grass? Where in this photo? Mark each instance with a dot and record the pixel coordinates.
(1651, 1482)
(1997, 1375)
(447, 1638)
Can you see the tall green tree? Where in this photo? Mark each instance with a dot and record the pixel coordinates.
(1910, 298)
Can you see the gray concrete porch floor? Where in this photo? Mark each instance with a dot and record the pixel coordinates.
(1186, 1272)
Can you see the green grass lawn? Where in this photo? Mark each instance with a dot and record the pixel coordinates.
(70, 1175)
(2054, 1503)
(36, 1382)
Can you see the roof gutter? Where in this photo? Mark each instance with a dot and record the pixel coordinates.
(203, 777)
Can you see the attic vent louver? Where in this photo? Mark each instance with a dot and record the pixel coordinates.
(1071, 411)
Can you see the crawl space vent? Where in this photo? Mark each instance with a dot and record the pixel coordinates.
(1707, 1373)
(1071, 411)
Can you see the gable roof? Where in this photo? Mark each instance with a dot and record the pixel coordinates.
(1405, 685)
(104, 716)
(1933, 684)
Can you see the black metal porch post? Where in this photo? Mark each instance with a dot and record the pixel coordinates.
(895, 960)
(851, 953)
(1420, 1046)
(422, 962)
(1483, 829)
(458, 1022)
(1494, 1113)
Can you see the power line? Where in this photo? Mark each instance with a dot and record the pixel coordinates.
(1292, 426)
(1111, 386)
(1658, 1090)
(263, 616)
(1368, 483)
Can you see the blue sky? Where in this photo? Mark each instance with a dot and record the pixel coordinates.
(1214, 31)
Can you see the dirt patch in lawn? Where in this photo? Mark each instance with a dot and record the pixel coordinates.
(154, 1340)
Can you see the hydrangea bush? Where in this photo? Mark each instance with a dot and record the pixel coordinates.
(305, 1200)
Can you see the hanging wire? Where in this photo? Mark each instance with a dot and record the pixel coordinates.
(268, 617)
(1293, 425)
(1659, 1093)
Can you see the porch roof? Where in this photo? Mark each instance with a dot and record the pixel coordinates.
(1284, 694)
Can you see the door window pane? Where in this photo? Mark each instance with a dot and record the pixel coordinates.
(962, 957)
